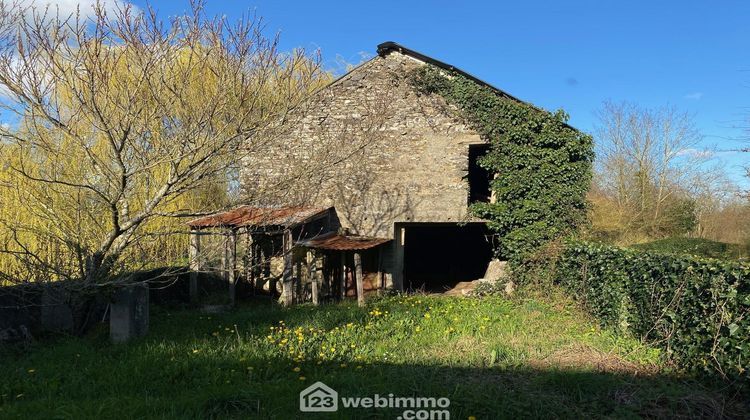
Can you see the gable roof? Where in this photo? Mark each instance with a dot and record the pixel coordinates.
(389, 46)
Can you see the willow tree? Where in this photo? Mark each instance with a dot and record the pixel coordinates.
(120, 120)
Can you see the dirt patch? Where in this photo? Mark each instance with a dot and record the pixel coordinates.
(581, 356)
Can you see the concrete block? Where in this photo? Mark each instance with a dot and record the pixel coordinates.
(496, 270)
(129, 313)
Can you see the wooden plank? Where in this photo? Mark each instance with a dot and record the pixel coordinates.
(231, 265)
(265, 263)
(287, 277)
(312, 276)
(314, 291)
(195, 263)
(358, 277)
(342, 275)
(249, 260)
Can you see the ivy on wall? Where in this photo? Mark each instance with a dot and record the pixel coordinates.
(542, 166)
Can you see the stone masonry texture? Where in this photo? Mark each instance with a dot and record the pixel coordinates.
(370, 145)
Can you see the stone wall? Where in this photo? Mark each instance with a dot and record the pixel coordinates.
(371, 146)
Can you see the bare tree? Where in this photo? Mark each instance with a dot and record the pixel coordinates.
(120, 115)
(646, 158)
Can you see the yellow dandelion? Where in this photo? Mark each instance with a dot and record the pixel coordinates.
(297, 369)
(302, 378)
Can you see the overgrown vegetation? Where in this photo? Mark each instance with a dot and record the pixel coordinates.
(119, 123)
(493, 358)
(697, 247)
(698, 310)
(655, 178)
(542, 166)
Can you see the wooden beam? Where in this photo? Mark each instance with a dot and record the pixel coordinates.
(195, 263)
(248, 261)
(287, 278)
(342, 275)
(266, 251)
(359, 279)
(256, 265)
(312, 276)
(232, 265)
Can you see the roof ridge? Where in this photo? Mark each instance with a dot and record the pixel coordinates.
(389, 46)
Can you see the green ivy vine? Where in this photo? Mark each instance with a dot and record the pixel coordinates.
(542, 166)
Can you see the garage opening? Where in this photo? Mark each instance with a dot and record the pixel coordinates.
(437, 256)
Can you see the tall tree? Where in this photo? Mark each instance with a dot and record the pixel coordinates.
(121, 116)
(645, 161)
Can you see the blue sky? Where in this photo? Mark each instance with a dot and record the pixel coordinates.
(571, 54)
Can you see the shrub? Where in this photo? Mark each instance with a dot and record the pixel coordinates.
(696, 247)
(697, 309)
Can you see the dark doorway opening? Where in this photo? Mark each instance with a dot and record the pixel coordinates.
(479, 178)
(437, 256)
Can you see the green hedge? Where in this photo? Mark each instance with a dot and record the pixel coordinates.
(696, 247)
(698, 310)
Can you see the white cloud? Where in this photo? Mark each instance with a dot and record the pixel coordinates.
(66, 8)
(706, 153)
(694, 96)
(48, 9)
(696, 153)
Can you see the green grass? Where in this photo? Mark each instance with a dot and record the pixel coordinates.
(697, 247)
(494, 358)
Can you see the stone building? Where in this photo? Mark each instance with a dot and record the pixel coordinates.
(387, 163)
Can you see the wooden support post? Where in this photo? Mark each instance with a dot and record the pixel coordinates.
(312, 276)
(195, 263)
(360, 281)
(224, 259)
(256, 265)
(398, 257)
(320, 273)
(298, 279)
(248, 261)
(266, 251)
(343, 275)
(232, 265)
(287, 279)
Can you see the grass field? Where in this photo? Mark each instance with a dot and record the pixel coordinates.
(493, 358)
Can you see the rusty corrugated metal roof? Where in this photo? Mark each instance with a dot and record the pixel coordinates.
(336, 242)
(259, 216)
